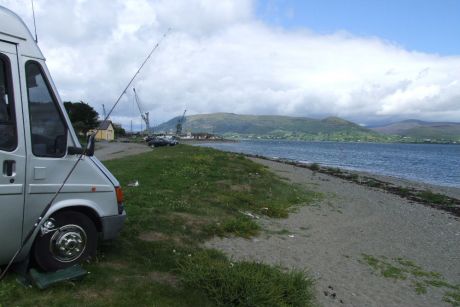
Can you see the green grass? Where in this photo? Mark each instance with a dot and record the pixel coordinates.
(372, 183)
(186, 195)
(240, 226)
(354, 177)
(421, 280)
(434, 198)
(453, 297)
(420, 287)
(245, 283)
(334, 171)
(315, 167)
(385, 268)
(403, 191)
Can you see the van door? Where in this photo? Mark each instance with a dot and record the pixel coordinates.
(47, 138)
(12, 153)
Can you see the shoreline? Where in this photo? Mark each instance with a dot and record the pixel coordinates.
(448, 189)
(355, 167)
(435, 196)
(336, 141)
(193, 141)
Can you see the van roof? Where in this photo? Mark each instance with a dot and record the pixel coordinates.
(14, 30)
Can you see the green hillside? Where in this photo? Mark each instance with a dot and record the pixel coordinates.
(273, 127)
(421, 130)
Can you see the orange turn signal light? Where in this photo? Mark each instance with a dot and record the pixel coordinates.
(119, 193)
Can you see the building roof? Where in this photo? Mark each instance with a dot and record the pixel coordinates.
(14, 30)
(104, 125)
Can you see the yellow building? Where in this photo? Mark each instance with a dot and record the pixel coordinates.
(105, 131)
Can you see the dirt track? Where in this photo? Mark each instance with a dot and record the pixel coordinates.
(114, 150)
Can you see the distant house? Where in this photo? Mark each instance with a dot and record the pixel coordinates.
(105, 132)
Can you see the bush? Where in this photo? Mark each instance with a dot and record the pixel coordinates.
(245, 283)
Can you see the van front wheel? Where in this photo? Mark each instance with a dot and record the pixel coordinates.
(72, 240)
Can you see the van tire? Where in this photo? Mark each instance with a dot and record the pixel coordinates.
(77, 233)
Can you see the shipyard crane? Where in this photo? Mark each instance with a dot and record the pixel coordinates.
(144, 115)
(179, 124)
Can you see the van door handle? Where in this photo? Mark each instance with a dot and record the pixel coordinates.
(9, 168)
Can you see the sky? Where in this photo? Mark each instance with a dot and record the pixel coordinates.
(366, 61)
(417, 25)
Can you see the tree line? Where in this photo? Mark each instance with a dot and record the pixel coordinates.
(84, 118)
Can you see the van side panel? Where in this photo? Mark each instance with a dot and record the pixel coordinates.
(12, 160)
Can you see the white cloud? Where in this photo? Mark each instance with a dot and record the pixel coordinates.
(220, 57)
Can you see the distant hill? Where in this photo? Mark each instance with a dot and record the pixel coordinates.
(418, 129)
(267, 126)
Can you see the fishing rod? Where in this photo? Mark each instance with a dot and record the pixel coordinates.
(83, 153)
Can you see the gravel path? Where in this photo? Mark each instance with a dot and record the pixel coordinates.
(115, 150)
(330, 237)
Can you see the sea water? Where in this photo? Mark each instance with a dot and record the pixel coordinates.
(428, 163)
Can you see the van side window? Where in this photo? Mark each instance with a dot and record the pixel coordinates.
(8, 138)
(48, 130)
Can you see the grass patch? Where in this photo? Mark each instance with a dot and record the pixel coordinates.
(186, 195)
(335, 171)
(240, 226)
(452, 297)
(420, 287)
(283, 232)
(421, 280)
(208, 187)
(402, 191)
(354, 177)
(384, 268)
(373, 183)
(245, 283)
(315, 167)
(434, 198)
(280, 232)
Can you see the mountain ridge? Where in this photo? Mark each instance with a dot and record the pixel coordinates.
(421, 129)
(331, 128)
(271, 126)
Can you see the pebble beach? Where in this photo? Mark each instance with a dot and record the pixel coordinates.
(362, 246)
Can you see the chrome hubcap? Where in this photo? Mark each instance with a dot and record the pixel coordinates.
(68, 243)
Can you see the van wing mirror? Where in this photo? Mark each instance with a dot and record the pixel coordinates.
(74, 150)
(90, 146)
(79, 150)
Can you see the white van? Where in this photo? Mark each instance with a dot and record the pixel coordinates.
(38, 147)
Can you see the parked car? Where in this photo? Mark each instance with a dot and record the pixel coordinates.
(172, 139)
(162, 141)
(38, 148)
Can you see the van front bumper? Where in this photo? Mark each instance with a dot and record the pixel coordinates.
(112, 225)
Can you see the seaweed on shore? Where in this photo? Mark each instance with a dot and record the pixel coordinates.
(425, 197)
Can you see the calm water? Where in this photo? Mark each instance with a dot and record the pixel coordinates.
(435, 164)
